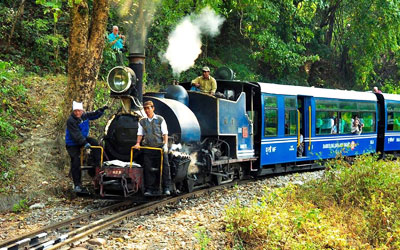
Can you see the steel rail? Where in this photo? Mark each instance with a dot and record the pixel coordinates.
(9, 243)
(106, 223)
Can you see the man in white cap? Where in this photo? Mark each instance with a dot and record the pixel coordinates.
(76, 137)
(205, 82)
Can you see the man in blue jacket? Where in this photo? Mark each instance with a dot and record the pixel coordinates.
(76, 137)
(117, 41)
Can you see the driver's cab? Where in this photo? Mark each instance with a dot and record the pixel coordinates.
(230, 113)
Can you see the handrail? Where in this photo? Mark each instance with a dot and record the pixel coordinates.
(309, 129)
(101, 156)
(298, 128)
(151, 148)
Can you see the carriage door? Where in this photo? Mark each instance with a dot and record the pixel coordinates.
(303, 131)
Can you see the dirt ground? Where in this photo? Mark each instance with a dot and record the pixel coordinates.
(41, 165)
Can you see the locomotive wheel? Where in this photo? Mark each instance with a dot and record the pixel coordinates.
(189, 185)
(218, 180)
(240, 173)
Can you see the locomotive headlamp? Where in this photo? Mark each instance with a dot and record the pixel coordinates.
(120, 79)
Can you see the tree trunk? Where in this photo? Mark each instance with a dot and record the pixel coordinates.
(86, 43)
(330, 15)
(14, 23)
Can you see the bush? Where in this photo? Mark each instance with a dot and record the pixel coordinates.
(369, 185)
(353, 207)
(20, 206)
(278, 220)
(17, 114)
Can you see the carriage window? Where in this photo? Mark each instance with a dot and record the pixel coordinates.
(393, 119)
(346, 123)
(326, 122)
(348, 105)
(368, 119)
(290, 116)
(326, 104)
(336, 117)
(271, 116)
(366, 106)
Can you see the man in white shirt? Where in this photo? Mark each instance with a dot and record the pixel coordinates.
(153, 132)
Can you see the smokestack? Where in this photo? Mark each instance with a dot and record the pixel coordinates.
(136, 63)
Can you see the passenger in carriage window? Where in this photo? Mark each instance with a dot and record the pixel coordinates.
(357, 118)
(356, 128)
(334, 126)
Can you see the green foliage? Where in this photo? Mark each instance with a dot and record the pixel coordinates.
(53, 6)
(9, 92)
(202, 237)
(340, 44)
(38, 41)
(355, 206)
(101, 98)
(370, 185)
(20, 206)
(277, 220)
(278, 33)
(15, 114)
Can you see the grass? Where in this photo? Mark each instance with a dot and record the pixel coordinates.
(354, 206)
(18, 114)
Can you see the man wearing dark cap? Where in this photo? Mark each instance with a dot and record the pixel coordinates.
(153, 132)
(205, 82)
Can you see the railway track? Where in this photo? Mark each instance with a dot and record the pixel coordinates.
(37, 237)
(84, 227)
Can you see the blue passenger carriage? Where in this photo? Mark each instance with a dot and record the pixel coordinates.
(304, 124)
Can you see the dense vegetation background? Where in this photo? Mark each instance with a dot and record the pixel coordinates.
(327, 43)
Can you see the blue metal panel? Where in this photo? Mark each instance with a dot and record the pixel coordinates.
(231, 115)
(392, 141)
(324, 147)
(233, 120)
(179, 118)
(205, 108)
(280, 148)
(281, 116)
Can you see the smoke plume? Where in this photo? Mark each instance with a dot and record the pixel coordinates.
(185, 40)
(137, 16)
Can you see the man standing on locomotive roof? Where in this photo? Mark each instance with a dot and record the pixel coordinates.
(153, 130)
(205, 82)
(76, 137)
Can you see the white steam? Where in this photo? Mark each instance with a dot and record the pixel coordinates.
(185, 41)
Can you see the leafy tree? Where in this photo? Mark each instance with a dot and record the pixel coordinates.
(278, 32)
(31, 37)
(371, 36)
(363, 39)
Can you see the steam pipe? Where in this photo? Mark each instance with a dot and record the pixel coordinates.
(136, 63)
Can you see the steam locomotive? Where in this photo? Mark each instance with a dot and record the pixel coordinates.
(247, 129)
